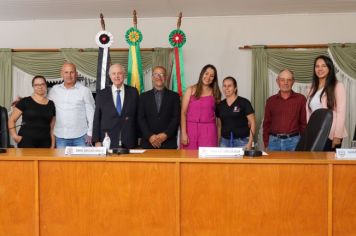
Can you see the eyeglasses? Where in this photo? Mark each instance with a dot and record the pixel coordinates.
(158, 75)
(39, 85)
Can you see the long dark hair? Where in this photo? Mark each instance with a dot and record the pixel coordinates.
(330, 83)
(214, 85)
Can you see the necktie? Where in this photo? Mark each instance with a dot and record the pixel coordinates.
(158, 98)
(118, 102)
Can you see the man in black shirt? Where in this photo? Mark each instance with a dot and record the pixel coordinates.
(159, 113)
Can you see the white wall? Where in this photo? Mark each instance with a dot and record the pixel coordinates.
(212, 40)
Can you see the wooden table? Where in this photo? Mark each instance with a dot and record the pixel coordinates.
(170, 192)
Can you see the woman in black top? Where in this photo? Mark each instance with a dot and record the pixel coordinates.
(236, 118)
(38, 118)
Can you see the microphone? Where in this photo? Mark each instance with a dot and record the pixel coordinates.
(253, 152)
(3, 150)
(120, 149)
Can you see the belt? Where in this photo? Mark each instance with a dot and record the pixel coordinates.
(285, 136)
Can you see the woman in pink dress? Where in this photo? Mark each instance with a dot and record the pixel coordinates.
(198, 121)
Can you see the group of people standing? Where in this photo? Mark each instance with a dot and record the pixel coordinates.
(206, 121)
(287, 113)
(75, 119)
(62, 118)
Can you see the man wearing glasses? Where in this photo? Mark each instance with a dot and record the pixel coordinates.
(159, 114)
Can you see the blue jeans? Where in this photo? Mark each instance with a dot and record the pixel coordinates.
(73, 142)
(239, 142)
(278, 144)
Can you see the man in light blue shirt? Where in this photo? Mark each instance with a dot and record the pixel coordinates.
(74, 110)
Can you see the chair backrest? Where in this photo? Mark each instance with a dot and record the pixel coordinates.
(4, 132)
(317, 131)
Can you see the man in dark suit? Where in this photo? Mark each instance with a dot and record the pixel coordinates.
(159, 113)
(116, 112)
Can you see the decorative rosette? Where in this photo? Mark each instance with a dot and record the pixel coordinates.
(133, 36)
(177, 38)
(104, 39)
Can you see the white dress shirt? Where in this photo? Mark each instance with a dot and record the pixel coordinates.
(74, 110)
(122, 94)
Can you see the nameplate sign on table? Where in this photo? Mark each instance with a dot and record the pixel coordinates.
(96, 151)
(216, 152)
(345, 154)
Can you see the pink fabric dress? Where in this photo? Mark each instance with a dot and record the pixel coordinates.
(201, 123)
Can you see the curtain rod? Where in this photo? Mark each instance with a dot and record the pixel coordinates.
(248, 47)
(81, 49)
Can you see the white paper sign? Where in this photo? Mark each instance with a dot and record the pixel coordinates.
(137, 151)
(216, 152)
(345, 154)
(97, 151)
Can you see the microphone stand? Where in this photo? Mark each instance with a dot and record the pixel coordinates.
(253, 152)
(120, 149)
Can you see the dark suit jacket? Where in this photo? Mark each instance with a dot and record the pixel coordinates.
(106, 118)
(166, 120)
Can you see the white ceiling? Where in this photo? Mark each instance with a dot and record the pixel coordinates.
(11, 10)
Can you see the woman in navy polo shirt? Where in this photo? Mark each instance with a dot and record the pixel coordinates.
(236, 118)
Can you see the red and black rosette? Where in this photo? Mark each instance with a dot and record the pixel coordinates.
(177, 38)
(104, 39)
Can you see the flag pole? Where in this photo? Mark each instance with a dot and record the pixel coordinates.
(102, 22)
(179, 21)
(134, 18)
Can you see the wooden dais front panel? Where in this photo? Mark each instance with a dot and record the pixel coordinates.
(344, 200)
(18, 201)
(254, 199)
(112, 198)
